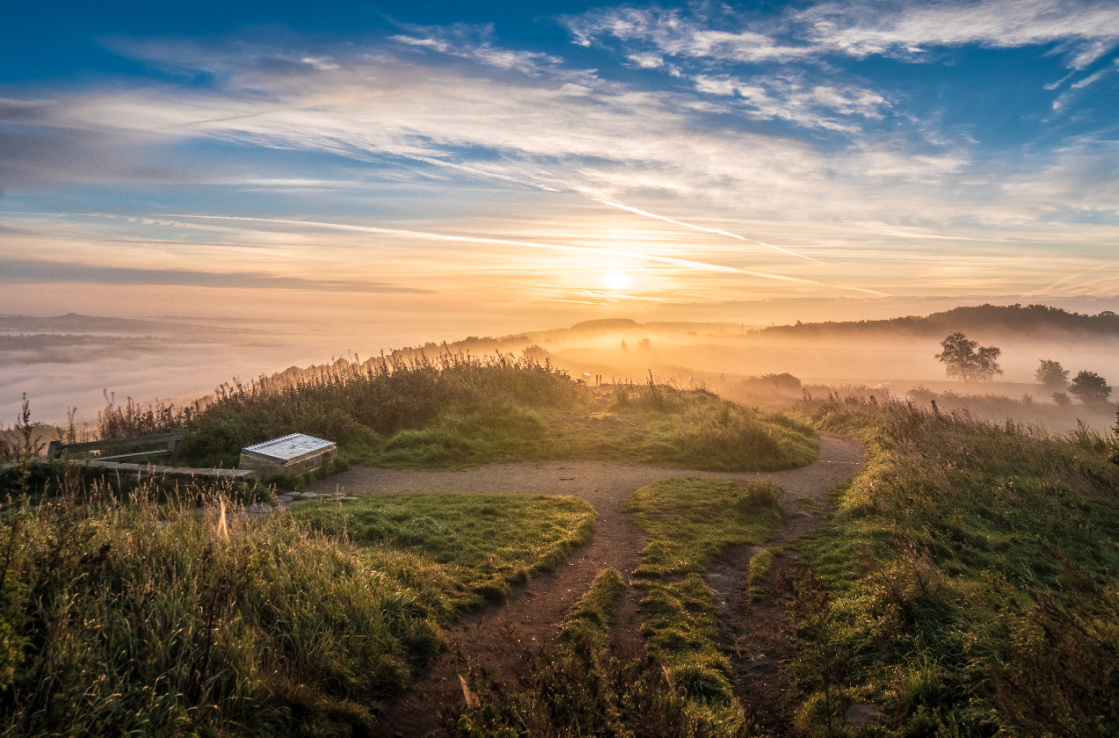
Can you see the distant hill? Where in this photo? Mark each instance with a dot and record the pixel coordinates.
(78, 324)
(1037, 321)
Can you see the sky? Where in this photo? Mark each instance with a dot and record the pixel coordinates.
(453, 168)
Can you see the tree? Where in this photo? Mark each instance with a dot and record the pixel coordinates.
(1052, 375)
(968, 360)
(1090, 388)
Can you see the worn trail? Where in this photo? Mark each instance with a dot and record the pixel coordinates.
(495, 638)
(753, 634)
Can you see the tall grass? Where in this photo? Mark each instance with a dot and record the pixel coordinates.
(967, 581)
(459, 409)
(146, 618)
(157, 618)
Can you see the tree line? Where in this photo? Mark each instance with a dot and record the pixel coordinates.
(967, 360)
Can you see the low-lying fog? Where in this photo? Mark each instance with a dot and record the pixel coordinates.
(71, 360)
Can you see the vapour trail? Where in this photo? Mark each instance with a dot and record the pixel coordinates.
(698, 265)
(647, 214)
(683, 263)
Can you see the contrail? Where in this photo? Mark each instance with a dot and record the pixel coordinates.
(684, 263)
(647, 214)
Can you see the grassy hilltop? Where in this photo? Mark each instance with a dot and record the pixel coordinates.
(457, 410)
(965, 583)
(135, 614)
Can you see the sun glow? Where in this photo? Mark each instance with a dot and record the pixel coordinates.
(617, 281)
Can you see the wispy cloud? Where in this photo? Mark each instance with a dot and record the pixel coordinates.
(447, 126)
(1088, 30)
(674, 33)
(703, 229)
(570, 131)
(25, 271)
(476, 43)
(629, 255)
(793, 99)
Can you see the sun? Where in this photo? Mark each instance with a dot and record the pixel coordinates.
(617, 281)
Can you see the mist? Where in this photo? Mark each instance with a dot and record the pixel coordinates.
(82, 362)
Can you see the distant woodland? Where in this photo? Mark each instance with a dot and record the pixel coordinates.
(1035, 320)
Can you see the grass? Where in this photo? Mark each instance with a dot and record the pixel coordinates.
(689, 521)
(761, 564)
(148, 618)
(968, 582)
(481, 543)
(460, 410)
(582, 686)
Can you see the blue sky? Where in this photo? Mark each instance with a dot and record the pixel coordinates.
(551, 161)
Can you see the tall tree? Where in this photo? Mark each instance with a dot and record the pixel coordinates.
(968, 360)
(1052, 376)
(1090, 388)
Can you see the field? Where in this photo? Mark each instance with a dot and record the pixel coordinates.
(641, 560)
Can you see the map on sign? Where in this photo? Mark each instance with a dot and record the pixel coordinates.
(290, 447)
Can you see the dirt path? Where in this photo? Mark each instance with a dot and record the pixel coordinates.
(495, 638)
(753, 633)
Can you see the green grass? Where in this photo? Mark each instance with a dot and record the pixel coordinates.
(692, 429)
(459, 410)
(583, 686)
(968, 582)
(591, 618)
(482, 543)
(147, 618)
(689, 521)
(761, 564)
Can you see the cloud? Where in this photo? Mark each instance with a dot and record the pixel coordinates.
(673, 33)
(23, 271)
(449, 125)
(1088, 29)
(1084, 30)
(565, 130)
(792, 99)
(475, 43)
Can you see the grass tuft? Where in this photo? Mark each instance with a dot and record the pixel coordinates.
(689, 521)
(582, 687)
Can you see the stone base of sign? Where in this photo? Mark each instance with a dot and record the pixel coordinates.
(269, 470)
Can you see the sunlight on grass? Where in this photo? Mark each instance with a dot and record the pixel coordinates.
(459, 410)
(689, 521)
(968, 581)
(480, 542)
(159, 618)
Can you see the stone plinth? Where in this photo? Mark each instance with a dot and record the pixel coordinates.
(287, 456)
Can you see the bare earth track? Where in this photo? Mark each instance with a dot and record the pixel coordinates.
(496, 637)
